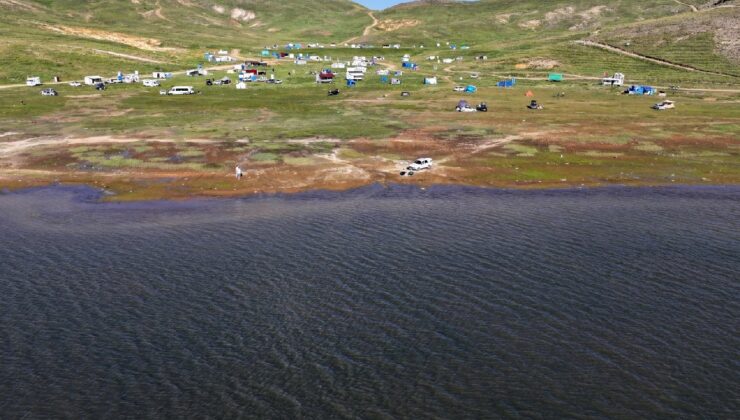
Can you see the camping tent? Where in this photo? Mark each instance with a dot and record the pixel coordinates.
(351, 83)
(265, 53)
(641, 90)
(241, 85)
(430, 80)
(470, 89)
(508, 83)
(395, 81)
(529, 94)
(555, 77)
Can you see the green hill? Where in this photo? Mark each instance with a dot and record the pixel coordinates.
(71, 36)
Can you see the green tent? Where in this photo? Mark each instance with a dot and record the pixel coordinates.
(555, 77)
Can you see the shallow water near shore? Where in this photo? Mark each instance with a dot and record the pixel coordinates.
(390, 302)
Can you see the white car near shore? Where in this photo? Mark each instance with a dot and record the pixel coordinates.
(660, 106)
(75, 84)
(420, 164)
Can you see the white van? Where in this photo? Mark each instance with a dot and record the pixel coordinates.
(150, 82)
(33, 81)
(181, 90)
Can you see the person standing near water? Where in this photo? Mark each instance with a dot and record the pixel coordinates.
(239, 173)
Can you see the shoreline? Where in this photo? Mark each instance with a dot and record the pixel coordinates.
(84, 193)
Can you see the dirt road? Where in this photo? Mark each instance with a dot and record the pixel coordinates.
(367, 29)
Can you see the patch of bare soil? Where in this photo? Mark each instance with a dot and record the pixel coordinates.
(149, 44)
(19, 4)
(242, 15)
(585, 18)
(530, 24)
(390, 25)
(130, 57)
(538, 64)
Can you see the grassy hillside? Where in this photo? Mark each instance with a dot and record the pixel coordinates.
(706, 40)
(527, 38)
(48, 37)
(493, 20)
(72, 38)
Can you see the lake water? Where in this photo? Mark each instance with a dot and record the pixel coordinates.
(382, 302)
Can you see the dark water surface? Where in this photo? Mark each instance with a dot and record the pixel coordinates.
(380, 302)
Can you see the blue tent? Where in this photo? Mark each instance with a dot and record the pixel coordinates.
(470, 89)
(384, 79)
(641, 90)
(508, 83)
(351, 83)
(265, 53)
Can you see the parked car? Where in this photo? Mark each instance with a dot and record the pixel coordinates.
(482, 107)
(150, 82)
(100, 86)
(459, 88)
(275, 81)
(49, 92)
(181, 90)
(334, 92)
(535, 105)
(405, 93)
(420, 164)
(463, 106)
(75, 84)
(660, 106)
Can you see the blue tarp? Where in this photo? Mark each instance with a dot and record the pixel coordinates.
(506, 83)
(641, 90)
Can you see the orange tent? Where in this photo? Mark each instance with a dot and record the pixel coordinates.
(529, 94)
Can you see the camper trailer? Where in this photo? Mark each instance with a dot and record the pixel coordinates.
(93, 80)
(616, 80)
(161, 75)
(33, 81)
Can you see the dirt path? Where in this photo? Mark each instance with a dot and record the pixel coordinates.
(130, 57)
(648, 58)
(691, 6)
(367, 29)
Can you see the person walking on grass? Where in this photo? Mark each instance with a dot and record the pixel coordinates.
(239, 172)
